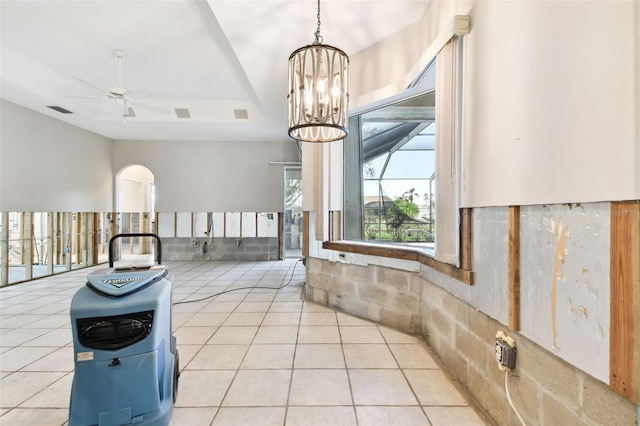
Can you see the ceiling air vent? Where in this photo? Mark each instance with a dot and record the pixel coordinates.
(241, 114)
(182, 113)
(59, 109)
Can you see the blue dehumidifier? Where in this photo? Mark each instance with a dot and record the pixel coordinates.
(126, 361)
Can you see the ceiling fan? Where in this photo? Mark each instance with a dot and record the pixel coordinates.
(118, 92)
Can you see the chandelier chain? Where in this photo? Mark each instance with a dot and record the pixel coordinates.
(317, 33)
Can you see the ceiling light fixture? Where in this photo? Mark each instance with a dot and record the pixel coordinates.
(318, 92)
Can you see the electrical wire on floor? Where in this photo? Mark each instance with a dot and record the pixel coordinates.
(506, 387)
(245, 288)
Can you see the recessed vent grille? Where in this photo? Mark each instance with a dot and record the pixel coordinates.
(182, 113)
(241, 114)
(116, 332)
(59, 109)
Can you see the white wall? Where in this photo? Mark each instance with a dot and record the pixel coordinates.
(551, 108)
(211, 176)
(48, 165)
(551, 96)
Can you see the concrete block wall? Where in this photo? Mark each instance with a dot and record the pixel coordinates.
(545, 389)
(373, 292)
(249, 249)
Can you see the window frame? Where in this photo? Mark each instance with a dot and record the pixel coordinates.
(462, 269)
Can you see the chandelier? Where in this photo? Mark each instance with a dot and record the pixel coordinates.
(318, 96)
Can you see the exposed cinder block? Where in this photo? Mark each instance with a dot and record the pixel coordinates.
(359, 273)
(555, 412)
(553, 374)
(442, 323)
(407, 301)
(372, 294)
(394, 278)
(604, 407)
(472, 348)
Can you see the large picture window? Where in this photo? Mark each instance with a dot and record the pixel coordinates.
(395, 191)
(402, 168)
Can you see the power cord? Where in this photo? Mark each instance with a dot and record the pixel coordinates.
(506, 387)
(245, 288)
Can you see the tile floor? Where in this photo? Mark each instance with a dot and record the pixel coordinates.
(252, 356)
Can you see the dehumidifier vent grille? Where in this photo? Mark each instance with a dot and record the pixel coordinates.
(114, 332)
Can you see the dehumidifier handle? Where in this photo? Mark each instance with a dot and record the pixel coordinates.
(143, 234)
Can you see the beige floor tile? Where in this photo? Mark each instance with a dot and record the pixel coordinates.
(192, 416)
(51, 308)
(194, 335)
(320, 387)
(319, 355)
(346, 319)
(258, 388)
(454, 416)
(276, 334)
(321, 416)
(218, 357)
(313, 307)
(57, 337)
(380, 387)
(187, 352)
(20, 336)
(286, 307)
(244, 319)
(289, 297)
(35, 416)
(260, 297)
(434, 388)
(392, 416)
(360, 334)
(59, 360)
(178, 320)
(51, 322)
(250, 416)
(253, 307)
(394, 336)
(318, 334)
(191, 390)
(17, 358)
(263, 357)
(54, 396)
(218, 306)
(18, 387)
(233, 335)
(413, 356)
(282, 318)
(24, 321)
(318, 318)
(235, 296)
(368, 356)
(206, 319)
(182, 308)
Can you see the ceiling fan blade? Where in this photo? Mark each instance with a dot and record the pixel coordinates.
(141, 93)
(95, 86)
(88, 97)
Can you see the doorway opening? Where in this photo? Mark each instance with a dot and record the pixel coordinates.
(293, 225)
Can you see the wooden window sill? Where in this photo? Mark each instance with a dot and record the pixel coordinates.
(404, 253)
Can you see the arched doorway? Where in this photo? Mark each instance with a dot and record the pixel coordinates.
(134, 201)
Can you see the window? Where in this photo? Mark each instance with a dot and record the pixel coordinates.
(395, 188)
(402, 168)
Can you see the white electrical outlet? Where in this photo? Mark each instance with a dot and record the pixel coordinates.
(505, 351)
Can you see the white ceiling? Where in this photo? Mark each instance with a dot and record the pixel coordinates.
(211, 57)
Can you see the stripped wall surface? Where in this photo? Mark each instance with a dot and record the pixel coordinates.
(565, 282)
